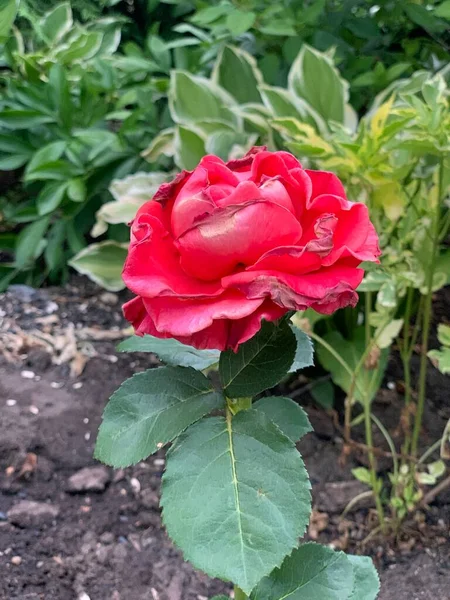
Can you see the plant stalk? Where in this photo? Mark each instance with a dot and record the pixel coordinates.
(372, 465)
(427, 309)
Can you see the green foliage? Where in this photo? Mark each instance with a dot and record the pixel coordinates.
(366, 583)
(171, 351)
(259, 363)
(103, 263)
(8, 11)
(257, 490)
(235, 492)
(441, 358)
(151, 409)
(368, 378)
(286, 414)
(312, 572)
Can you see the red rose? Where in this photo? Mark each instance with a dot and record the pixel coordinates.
(229, 244)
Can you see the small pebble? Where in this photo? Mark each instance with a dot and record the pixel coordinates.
(87, 436)
(85, 420)
(391, 385)
(135, 485)
(33, 410)
(83, 596)
(56, 385)
(159, 462)
(109, 298)
(77, 385)
(39, 564)
(112, 358)
(16, 560)
(11, 402)
(27, 374)
(51, 307)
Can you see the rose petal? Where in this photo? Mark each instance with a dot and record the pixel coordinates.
(213, 337)
(233, 235)
(218, 171)
(153, 265)
(190, 202)
(349, 239)
(274, 191)
(324, 182)
(298, 292)
(181, 317)
(246, 191)
(288, 259)
(271, 164)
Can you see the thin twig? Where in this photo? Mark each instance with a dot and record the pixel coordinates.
(431, 495)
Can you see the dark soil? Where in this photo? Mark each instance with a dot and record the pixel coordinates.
(58, 366)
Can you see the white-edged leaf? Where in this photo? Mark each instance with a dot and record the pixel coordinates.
(193, 98)
(189, 147)
(103, 263)
(236, 71)
(314, 78)
(57, 22)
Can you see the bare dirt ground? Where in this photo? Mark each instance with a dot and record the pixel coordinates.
(73, 529)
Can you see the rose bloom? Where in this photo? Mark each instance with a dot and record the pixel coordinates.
(227, 245)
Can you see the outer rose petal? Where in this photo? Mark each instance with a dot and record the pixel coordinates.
(152, 267)
(220, 334)
(180, 317)
(333, 286)
(213, 337)
(233, 235)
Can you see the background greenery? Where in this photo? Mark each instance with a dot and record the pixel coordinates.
(101, 101)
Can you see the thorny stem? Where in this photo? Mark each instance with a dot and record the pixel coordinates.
(343, 363)
(427, 320)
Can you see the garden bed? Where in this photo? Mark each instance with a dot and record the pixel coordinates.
(98, 535)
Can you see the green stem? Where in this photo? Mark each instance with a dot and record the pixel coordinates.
(427, 321)
(239, 594)
(367, 309)
(406, 353)
(368, 419)
(372, 464)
